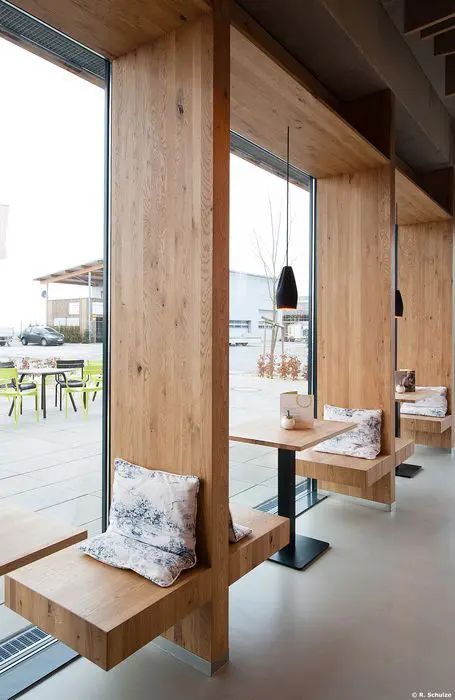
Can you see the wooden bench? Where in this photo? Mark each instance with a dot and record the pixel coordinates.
(26, 536)
(352, 476)
(427, 430)
(106, 614)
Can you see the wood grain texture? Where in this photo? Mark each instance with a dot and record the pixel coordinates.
(114, 27)
(169, 320)
(425, 424)
(270, 534)
(339, 469)
(267, 431)
(414, 205)
(26, 537)
(413, 396)
(266, 98)
(103, 613)
(425, 280)
(354, 326)
(404, 448)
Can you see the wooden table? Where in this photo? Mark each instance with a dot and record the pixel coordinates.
(408, 471)
(26, 536)
(266, 431)
(42, 372)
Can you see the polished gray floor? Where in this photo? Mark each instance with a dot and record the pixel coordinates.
(373, 619)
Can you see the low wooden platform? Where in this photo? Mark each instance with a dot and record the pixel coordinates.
(270, 534)
(26, 536)
(353, 476)
(106, 614)
(425, 424)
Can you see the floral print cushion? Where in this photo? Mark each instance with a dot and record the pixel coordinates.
(362, 441)
(237, 532)
(434, 406)
(35, 362)
(152, 525)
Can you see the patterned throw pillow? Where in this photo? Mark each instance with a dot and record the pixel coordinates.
(362, 441)
(237, 532)
(152, 525)
(434, 406)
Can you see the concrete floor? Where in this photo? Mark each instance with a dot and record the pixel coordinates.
(373, 619)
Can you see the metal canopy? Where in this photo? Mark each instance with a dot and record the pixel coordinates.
(77, 275)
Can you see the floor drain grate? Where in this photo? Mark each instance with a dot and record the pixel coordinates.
(22, 645)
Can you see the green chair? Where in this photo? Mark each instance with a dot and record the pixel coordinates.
(11, 389)
(93, 383)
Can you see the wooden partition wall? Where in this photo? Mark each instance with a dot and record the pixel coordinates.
(425, 256)
(170, 145)
(354, 303)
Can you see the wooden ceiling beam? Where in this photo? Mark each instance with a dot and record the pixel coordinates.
(420, 14)
(444, 44)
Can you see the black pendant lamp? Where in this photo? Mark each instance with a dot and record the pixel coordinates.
(399, 307)
(286, 292)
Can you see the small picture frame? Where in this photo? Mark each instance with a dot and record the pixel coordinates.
(406, 378)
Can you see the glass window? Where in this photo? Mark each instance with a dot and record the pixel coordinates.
(273, 356)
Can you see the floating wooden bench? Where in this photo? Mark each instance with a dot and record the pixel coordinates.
(425, 424)
(353, 476)
(106, 614)
(427, 430)
(26, 536)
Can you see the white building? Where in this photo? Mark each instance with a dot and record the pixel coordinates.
(250, 300)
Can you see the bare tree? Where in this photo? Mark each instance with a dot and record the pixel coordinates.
(272, 267)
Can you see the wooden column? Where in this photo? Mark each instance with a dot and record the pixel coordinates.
(169, 317)
(425, 332)
(354, 305)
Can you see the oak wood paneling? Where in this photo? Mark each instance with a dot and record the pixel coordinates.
(354, 278)
(414, 205)
(266, 98)
(425, 280)
(169, 275)
(114, 27)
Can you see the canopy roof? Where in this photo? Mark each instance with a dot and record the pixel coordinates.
(77, 275)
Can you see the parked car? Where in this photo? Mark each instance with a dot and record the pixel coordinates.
(41, 335)
(6, 335)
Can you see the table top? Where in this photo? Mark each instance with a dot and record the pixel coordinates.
(413, 396)
(26, 536)
(41, 370)
(267, 431)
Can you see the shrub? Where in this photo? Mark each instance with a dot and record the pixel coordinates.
(71, 334)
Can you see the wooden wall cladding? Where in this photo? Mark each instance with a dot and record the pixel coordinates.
(169, 322)
(354, 273)
(265, 99)
(414, 205)
(425, 254)
(114, 27)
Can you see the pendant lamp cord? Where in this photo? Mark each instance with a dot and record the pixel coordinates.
(287, 201)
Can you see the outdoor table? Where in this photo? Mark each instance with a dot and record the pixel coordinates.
(42, 372)
(301, 550)
(408, 471)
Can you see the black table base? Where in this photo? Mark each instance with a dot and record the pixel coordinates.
(301, 551)
(407, 471)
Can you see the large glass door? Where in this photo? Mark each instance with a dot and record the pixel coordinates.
(53, 300)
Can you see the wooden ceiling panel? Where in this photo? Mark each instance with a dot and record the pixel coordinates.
(414, 204)
(265, 99)
(113, 28)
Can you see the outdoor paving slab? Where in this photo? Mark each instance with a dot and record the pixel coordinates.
(40, 498)
(249, 473)
(77, 511)
(17, 484)
(270, 461)
(241, 452)
(236, 487)
(69, 470)
(85, 484)
(254, 496)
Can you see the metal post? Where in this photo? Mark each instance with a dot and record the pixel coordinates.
(89, 307)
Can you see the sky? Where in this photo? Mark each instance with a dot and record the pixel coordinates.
(52, 180)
